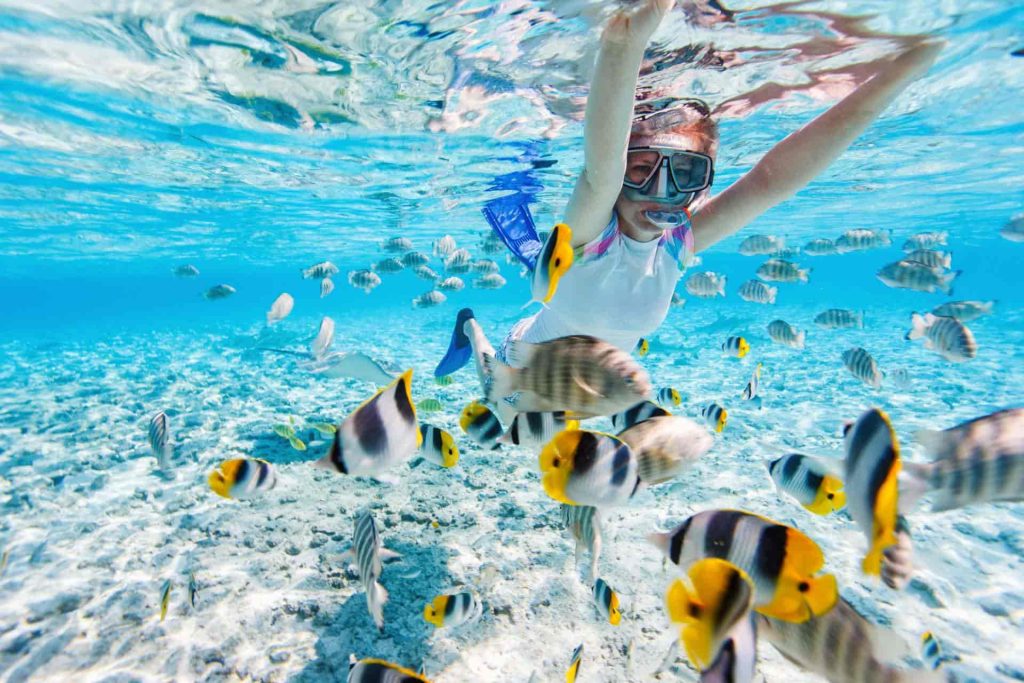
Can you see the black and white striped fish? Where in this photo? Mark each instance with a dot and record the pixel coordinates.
(413, 259)
(759, 245)
(380, 671)
(425, 272)
(444, 246)
(536, 429)
(388, 265)
(737, 658)
(242, 478)
(781, 270)
(319, 271)
(916, 276)
(326, 287)
(978, 461)
(842, 646)
(584, 524)
(859, 239)
(458, 262)
(378, 435)
(365, 280)
(931, 258)
(396, 245)
(964, 311)
(926, 240)
(783, 564)
(438, 446)
(839, 318)
(812, 482)
(451, 610)
(863, 366)
(160, 439)
(368, 553)
(783, 333)
(898, 559)
(481, 424)
(750, 392)
(607, 602)
(716, 416)
(636, 414)
(737, 347)
(820, 247)
(948, 337)
(667, 396)
(758, 292)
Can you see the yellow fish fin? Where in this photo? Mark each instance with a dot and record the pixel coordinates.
(556, 463)
(883, 532)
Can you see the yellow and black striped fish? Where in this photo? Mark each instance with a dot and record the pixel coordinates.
(438, 446)
(783, 564)
(667, 396)
(643, 347)
(607, 602)
(643, 410)
(809, 480)
(554, 261)
(379, 434)
(588, 468)
(574, 664)
(872, 495)
(716, 416)
(380, 671)
(481, 424)
(449, 611)
(242, 478)
(737, 347)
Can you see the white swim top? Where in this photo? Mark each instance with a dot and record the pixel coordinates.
(617, 289)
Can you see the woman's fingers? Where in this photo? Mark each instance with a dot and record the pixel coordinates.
(637, 23)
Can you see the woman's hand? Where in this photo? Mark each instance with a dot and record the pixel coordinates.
(635, 25)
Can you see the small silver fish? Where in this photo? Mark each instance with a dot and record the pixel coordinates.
(785, 334)
(863, 366)
(429, 299)
(451, 284)
(187, 270)
(781, 270)
(160, 439)
(820, 247)
(750, 391)
(219, 292)
(839, 318)
(397, 245)
(757, 292)
(319, 271)
(281, 307)
(326, 287)
(948, 337)
(365, 280)
(706, 285)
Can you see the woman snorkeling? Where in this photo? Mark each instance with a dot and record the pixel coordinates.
(642, 207)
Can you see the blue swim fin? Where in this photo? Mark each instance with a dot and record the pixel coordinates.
(459, 349)
(510, 217)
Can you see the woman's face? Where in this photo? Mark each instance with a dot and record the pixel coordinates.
(637, 213)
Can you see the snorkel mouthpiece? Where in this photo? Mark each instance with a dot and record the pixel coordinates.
(666, 220)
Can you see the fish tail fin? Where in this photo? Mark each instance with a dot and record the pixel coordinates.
(914, 484)
(989, 305)
(947, 261)
(572, 425)
(656, 467)
(376, 596)
(500, 379)
(934, 441)
(698, 632)
(772, 293)
(918, 327)
(872, 564)
(885, 237)
(801, 338)
(947, 282)
(721, 287)
(660, 540)
(805, 275)
(459, 348)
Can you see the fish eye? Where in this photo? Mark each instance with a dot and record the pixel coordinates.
(558, 261)
(803, 587)
(831, 496)
(556, 462)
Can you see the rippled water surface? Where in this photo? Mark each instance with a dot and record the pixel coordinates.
(253, 139)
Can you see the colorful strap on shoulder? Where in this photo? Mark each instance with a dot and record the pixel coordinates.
(600, 245)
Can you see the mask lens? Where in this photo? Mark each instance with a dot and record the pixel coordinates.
(640, 166)
(691, 171)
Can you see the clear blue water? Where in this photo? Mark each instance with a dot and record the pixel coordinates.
(253, 139)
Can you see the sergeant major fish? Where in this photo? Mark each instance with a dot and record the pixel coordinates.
(396, 245)
(187, 270)
(964, 311)
(160, 439)
(429, 299)
(425, 273)
(219, 292)
(319, 271)
(664, 446)
(863, 366)
(781, 270)
(451, 284)
(388, 265)
(489, 281)
(820, 247)
(839, 318)
(758, 292)
(932, 259)
(414, 259)
(379, 434)
(368, 554)
(860, 239)
(280, 309)
(948, 337)
(444, 246)
(926, 240)
(757, 245)
(458, 262)
(917, 276)
(706, 285)
(783, 564)
(783, 333)
(326, 287)
(365, 280)
(485, 266)
(583, 522)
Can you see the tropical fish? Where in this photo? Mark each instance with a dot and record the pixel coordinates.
(978, 461)
(574, 664)
(193, 590)
(413, 259)
(926, 240)
(485, 266)
(872, 466)
(840, 645)
(160, 439)
(716, 416)
(919, 277)
(354, 364)
(1014, 228)
(319, 271)
(785, 334)
(664, 446)
(706, 285)
(948, 337)
(458, 262)
(365, 280)
(812, 482)
(489, 281)
(781, 270)
(820, 247)
(187, 270)
(280, 309)
(326, 287)
(379, 434)
(429, 405)
(607, 602)
(578, 373)
(581, 467)
(165, 598)
(481, 424)
(426, 273)
(644, 410)
(380, 671)
(583, 522)
(536, 429)
(397, 245)
(242, 478)
(554, 261)
(324, 428)
(444, 381)
(759, 245)
(964, 311)
(737, 657)
(750, 391)
(932, 653)
(444, 246)
(677, 301)
(667, 396)
(782, 563)
(737, 347)
(451, 284)
(324, 338)
(429, 299)
(642, 348)
(863, 366)
(720, 596)
(297, 443)
(839, 318)
(388, 265)
(931, 258)
(860, 239)
(449, 611)
(368, 554)
(758, 292)
(438, 446)
(219, 292)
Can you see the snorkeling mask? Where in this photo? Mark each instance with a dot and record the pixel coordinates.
(665, 175)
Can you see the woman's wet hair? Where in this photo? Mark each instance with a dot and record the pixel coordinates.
(686, 116)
